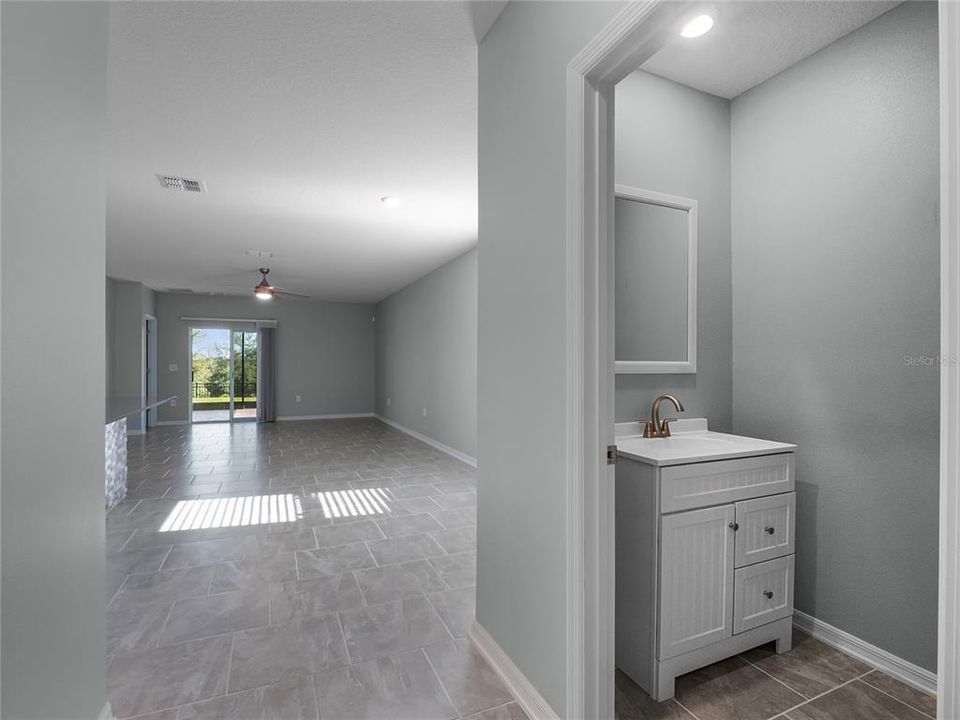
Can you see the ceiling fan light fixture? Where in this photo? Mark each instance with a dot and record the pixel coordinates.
(264, 290)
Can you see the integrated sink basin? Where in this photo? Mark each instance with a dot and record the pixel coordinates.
(691, 441)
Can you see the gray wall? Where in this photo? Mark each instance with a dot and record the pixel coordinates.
(521, 560)
(427, 355)
(325, 351)
(676, 140)
(835, 269)
(127, 303)
(54, 114)
(110, 303)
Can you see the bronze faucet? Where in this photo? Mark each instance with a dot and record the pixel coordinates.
(654, 427)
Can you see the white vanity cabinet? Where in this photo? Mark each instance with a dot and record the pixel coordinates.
(704, 563)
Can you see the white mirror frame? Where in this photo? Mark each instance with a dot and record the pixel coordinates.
(689, 365)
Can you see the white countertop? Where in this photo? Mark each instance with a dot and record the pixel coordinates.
(690, 442)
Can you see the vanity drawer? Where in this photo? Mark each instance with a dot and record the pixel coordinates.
(762, 593)
(684, 487)
(766, 529)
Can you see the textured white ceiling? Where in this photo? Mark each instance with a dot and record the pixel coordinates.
(753, 41)
(298, 117)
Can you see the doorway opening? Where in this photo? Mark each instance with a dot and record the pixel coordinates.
(149, 367)
(632, 36)
(223, 375)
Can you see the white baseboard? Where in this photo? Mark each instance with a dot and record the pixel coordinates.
(897, 667)
(336, 416)
(453, 452)
(106, 713)
(523, 691)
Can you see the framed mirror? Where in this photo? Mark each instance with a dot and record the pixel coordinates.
(655, 292)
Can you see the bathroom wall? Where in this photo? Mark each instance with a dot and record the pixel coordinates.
(324, 351)
(676, 140)
(427, 355)
(835, 291)
(54, 59)
(521, 544)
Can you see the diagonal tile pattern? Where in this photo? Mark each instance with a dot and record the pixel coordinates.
(320, 569)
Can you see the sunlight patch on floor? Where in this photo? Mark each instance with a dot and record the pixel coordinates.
(233, 512)
(353, 503)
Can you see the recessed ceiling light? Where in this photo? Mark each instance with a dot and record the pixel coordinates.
(390, 201)
(700, 25)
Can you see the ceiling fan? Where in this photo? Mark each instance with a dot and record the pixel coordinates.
(265, 291)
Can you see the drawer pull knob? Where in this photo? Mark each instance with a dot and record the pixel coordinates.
(734, 526)
(768, 594)
(769, 530)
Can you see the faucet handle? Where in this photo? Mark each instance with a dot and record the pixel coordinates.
(649, 430)
(665, 427)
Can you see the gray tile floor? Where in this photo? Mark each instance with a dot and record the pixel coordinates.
(321, 569)
(326, 569)
(811, 682)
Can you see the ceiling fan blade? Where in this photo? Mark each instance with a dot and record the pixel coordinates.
(278, 291)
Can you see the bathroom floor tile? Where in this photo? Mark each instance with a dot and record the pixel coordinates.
(810, 667)
(855, 701)
(925, 703)
(733, 690)
(632, 703)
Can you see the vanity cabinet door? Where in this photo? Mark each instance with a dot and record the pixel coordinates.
(696, 579)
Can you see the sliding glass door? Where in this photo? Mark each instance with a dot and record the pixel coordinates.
(244, 375)
(223, 375)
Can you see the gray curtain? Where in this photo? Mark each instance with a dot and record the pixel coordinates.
(266, 376)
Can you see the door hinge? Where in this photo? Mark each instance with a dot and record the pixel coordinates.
(611, 454)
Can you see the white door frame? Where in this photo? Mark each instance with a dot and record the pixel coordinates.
(948, 657)
(632, 35)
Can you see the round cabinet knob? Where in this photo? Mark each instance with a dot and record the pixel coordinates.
(769, 530)
(734, 526)
(768, 594)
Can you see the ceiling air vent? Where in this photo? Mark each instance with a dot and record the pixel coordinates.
(172, 182)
